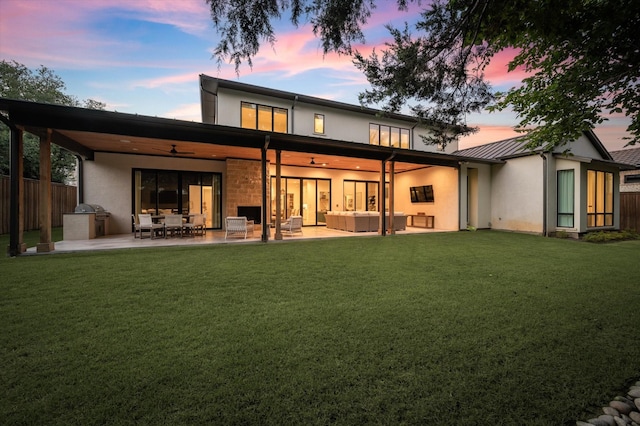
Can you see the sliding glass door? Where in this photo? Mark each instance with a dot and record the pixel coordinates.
(360, 195)
(309, 198)
(181, 192)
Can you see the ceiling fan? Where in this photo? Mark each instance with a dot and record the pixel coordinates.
(174, 151)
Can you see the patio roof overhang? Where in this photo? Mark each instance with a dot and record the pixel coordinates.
(85, 132)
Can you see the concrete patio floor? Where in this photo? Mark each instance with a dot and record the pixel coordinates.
(124, 241)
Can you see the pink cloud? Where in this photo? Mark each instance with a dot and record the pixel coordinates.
(497, 71)
(64, 27)
(189, 112)
(295, 53)
(165, 81)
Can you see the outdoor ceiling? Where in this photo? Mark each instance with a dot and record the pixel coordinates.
(110, 143)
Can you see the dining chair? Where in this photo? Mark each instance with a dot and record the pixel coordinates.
(173, 224)
(194, 225)
(146, 224)
(135, 226)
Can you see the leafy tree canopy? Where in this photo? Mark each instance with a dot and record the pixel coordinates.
(582, 58)
(41, 85)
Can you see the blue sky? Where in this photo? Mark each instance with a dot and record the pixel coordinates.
(144, 57)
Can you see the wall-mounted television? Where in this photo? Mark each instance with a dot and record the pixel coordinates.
(422, 194)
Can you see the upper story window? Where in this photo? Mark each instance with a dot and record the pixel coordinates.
(318, 123)
(396, 137)
(263, 117)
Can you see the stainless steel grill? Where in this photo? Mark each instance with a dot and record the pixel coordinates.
(102, 217)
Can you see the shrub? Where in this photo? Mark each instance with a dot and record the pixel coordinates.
(607, 236)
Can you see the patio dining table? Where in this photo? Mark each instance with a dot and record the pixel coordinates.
(158, 217)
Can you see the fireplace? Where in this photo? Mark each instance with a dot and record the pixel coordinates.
(251, 212)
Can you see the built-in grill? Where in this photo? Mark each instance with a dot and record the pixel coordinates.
(101, 221)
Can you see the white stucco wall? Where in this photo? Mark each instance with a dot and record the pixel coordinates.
(517, 195)
(445, 207)
(108, 181)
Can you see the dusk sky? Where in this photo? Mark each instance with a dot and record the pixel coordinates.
(144, 57)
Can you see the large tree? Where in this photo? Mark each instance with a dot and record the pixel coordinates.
(582, 58)
(40, 85)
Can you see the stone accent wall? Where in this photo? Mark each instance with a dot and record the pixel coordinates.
(242, 186)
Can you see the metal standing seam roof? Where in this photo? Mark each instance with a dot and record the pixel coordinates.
(627, 156)
(508, 148)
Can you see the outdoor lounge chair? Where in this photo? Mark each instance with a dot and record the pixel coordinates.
(238, 225)
(292, 225)
(146, 224)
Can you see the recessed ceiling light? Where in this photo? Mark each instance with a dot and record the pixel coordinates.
(134, 149)
(125, 141)
(357, 167)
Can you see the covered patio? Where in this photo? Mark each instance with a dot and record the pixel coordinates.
(127, 241)
(88, 133)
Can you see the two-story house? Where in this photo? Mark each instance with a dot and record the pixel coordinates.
(258, 151)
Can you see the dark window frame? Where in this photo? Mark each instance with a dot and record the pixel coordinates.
(390, 130)
(257, 110)
(179, 191)
(566, 214)
(635, 178)
(605, 217)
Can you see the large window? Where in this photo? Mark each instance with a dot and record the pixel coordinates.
(263, 117)
(388, 136)
(566, 199)
(599, 199)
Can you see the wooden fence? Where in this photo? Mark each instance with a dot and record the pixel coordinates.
(63, 200)
(630, 210)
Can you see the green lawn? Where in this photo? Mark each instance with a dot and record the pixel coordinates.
(468, 328)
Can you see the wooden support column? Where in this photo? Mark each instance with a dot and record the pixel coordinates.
(265, 208)
(278, 235)
(392, 228)
(45, 245)
(16, 196)
(381, 204)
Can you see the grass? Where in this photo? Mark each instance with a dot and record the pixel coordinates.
(458, 328)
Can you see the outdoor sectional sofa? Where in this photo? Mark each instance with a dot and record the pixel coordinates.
(362, 221)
